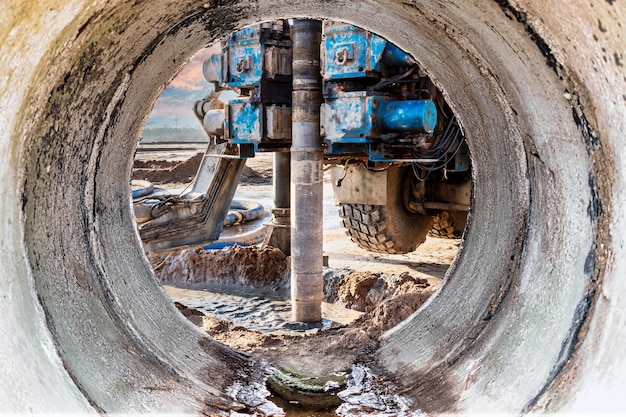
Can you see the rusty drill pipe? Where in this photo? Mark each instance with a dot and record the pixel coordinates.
(306, 174)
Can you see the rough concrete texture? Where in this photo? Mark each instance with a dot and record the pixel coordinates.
(531, 315)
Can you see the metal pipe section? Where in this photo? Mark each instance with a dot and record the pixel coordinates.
(282, 177)
(281, 226)
(306, 174)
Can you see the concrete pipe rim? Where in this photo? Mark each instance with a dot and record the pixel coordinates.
(90, 259)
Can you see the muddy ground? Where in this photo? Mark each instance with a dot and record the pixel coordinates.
(383, 289)
(384, 299)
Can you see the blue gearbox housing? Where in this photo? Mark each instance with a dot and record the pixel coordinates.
(363, 118)
(378, 105)
(255, 62)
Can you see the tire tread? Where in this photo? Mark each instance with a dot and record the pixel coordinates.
(365, 225)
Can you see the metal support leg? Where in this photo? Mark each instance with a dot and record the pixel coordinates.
(183, 221)
(306, 174)
(281, 227)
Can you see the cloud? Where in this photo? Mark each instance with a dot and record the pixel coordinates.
(173, 108)
(190, 78)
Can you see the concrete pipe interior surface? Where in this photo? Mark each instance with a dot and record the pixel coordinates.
(531, 314)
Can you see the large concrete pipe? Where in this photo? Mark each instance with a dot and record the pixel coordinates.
(530, 316)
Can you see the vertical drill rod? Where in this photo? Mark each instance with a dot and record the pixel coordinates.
(306, 174)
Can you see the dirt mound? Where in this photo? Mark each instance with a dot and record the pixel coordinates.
(364, 291)
(351, 344)
(387, 300)
(154, 164)
(252, 176)
(236, 265)
(356, 289)
(164, 171)
(395, 310)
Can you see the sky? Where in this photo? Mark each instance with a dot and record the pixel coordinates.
(173, 108)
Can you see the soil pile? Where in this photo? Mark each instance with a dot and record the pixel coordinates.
(365, 291)
(236, 265)
(252, 176)
(385, 299)
(164, 171)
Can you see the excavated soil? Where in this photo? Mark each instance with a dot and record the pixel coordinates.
(167, 171)
(236, 265)
(175, 172)
(385, 295)
(385, 300)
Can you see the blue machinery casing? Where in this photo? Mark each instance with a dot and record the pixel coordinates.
(352, 52)
(244, 121)
(362, 119)
(408, 116)
(257, 62)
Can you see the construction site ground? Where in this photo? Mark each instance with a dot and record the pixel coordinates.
(239, 295)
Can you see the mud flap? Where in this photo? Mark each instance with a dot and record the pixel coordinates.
(356, 184)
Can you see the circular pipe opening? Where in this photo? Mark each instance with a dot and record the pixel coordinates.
(174, 172)
(239, 286)
(524, 258)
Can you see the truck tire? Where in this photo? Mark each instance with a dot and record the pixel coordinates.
(375, 228)
(388, 228)
(448, 225)
(530, 316)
